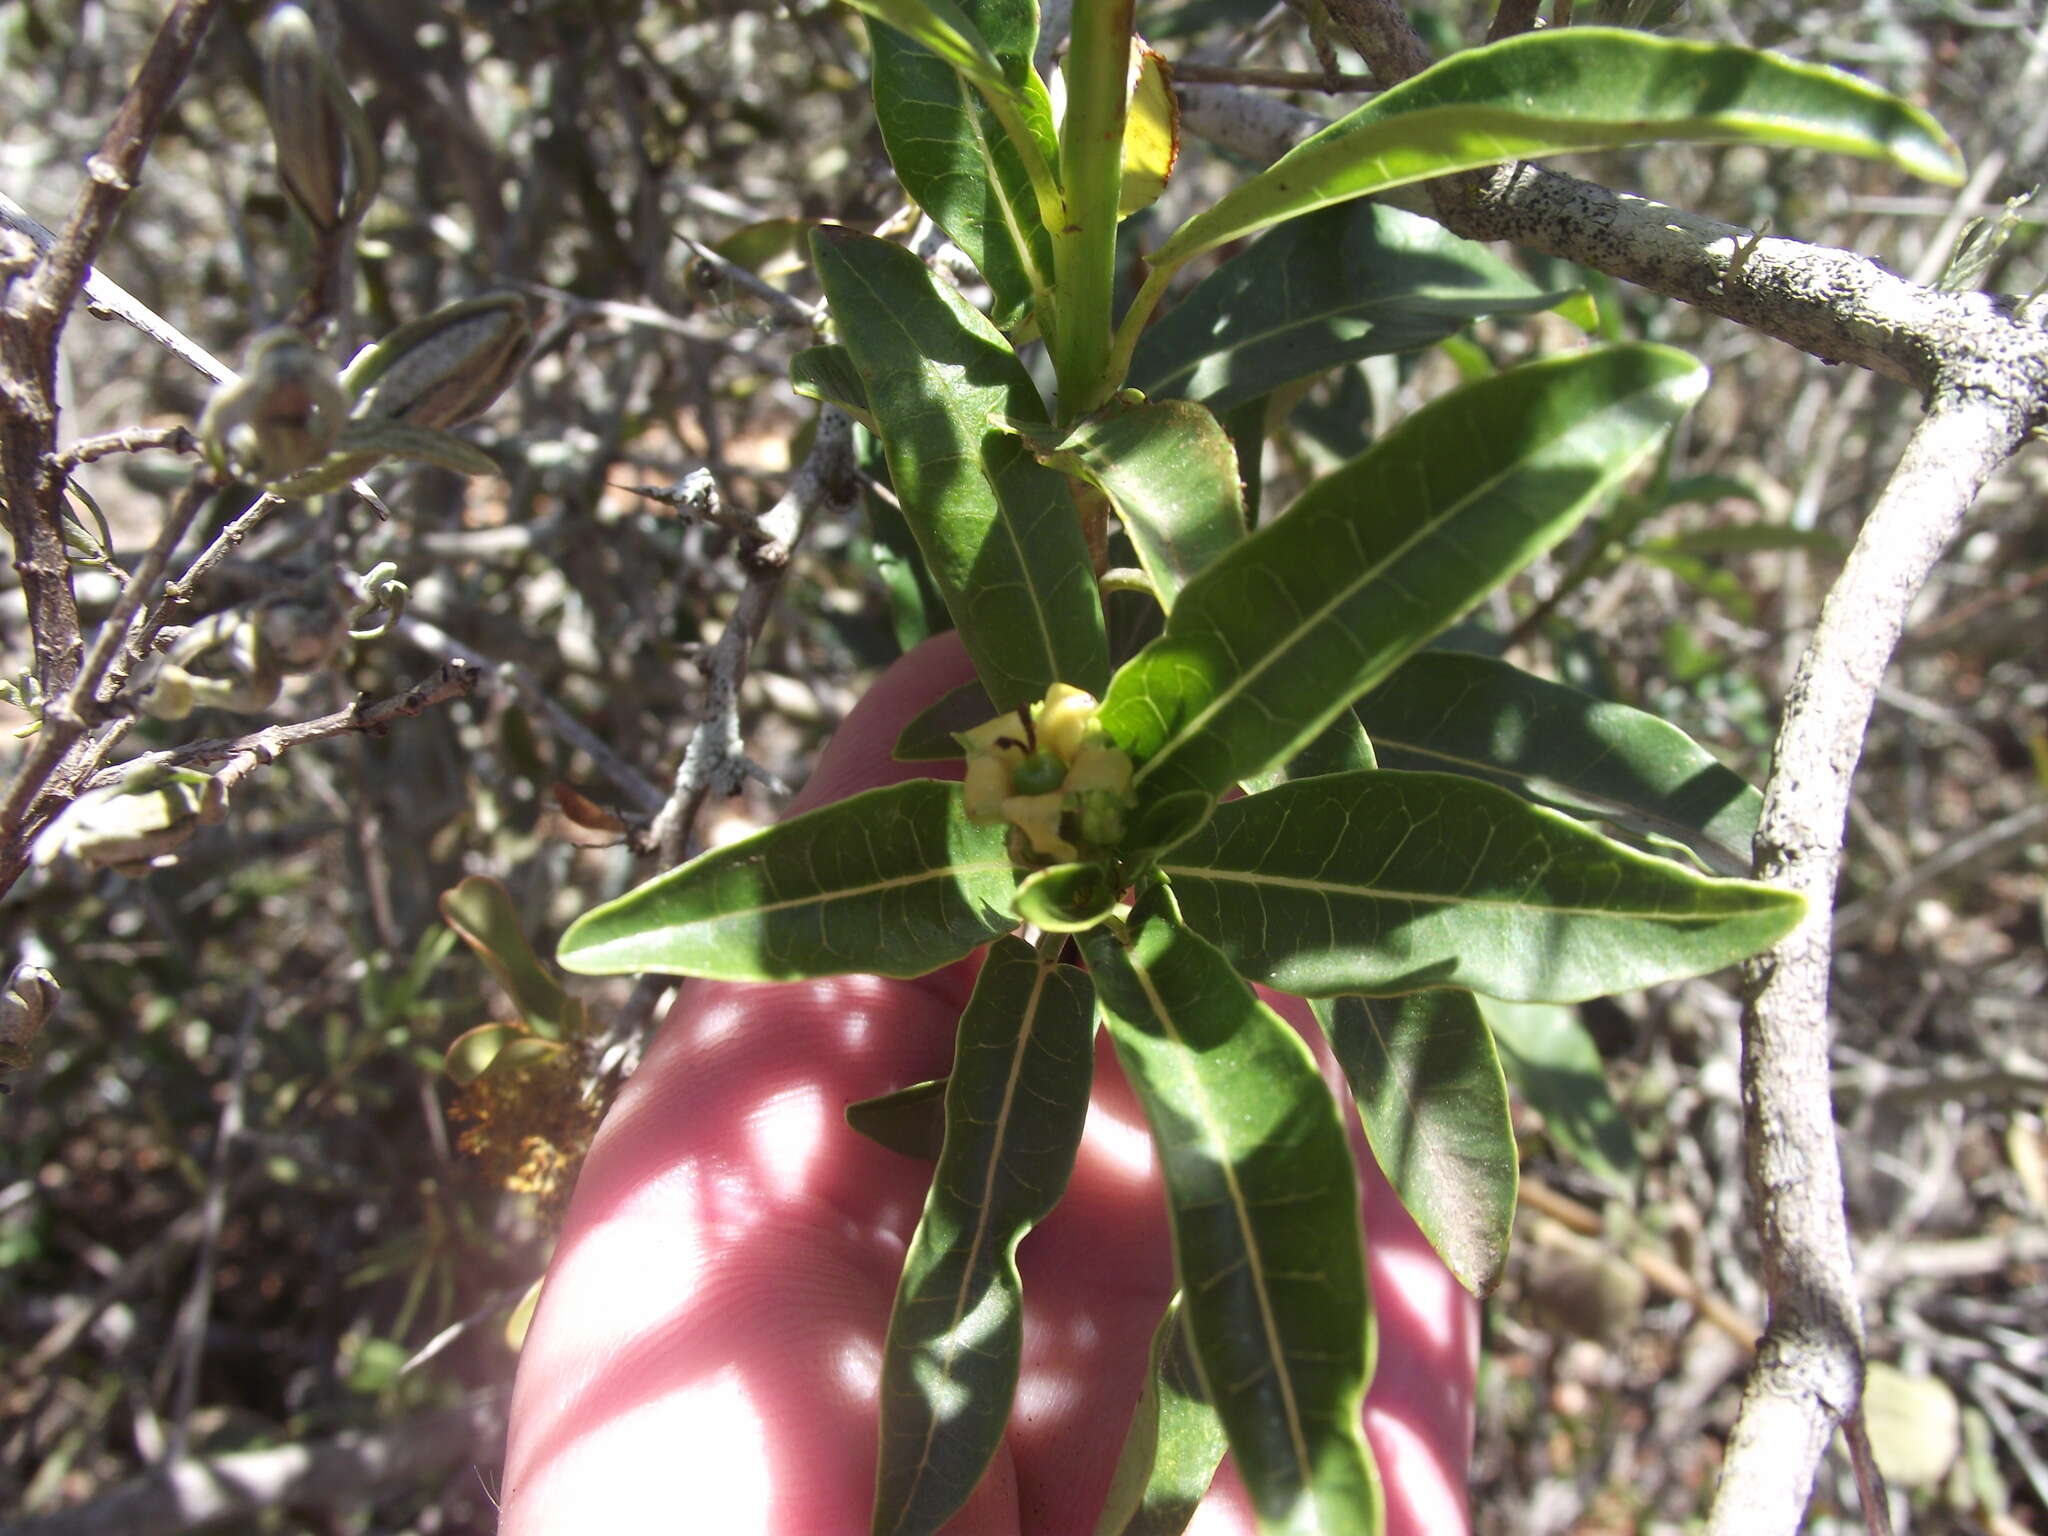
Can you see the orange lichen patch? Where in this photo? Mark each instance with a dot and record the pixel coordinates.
(529, 1126)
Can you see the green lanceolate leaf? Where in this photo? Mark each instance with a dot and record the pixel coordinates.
(1171, 474)
(955, 158)
(827, 374)
(1356, 281)
(997, 528)
(1434, 1104)
(1471, 714)
(1264, 1203)
(1270, 644)
(896, 881)
(911, 1120)
(1172, 1446)
(1015, 1104)
(1557, 1071)
(1544, 93)
(1394, 882)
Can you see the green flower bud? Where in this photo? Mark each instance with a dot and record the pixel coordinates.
(282, 414)
(326, 157)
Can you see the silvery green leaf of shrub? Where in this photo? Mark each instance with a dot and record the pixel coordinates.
(954, 157)
(1275, 639)
(997, 529)
(1358, 280)
(1015, 1104)
(1556, 1070)
(1264, 1205)
(911, 1121)
(1545, 93)
(1171, 1448)
(1171, 474)
(826, 374)
(1434, 1104)
(1446, 710)
(896, 881)
(1391, 882)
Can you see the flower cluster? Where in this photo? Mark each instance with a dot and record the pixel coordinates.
(1049, 771)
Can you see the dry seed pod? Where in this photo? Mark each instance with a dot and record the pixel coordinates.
(326, 156)
(444, 368)
(282, 414)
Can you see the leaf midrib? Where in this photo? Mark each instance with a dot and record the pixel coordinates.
(1381, 893)
(839, 893)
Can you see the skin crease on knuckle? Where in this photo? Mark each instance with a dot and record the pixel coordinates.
(705, 1354)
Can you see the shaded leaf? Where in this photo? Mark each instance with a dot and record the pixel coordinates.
(1264, 1203)
(911, 1120)
(1434, 1104)
(1067, 898)
(1391, 882)
(952, 153)
(1472, 714)
(1746, 539)
(1270, 644)
(895, 881)
(827, 374)
(1557, 1071)
(1343, 748)
(997, 529)
(1015, 1104)
(1171, 474)
(1172, 1447)
(1354, 281)
(480, 909)
(929, 737)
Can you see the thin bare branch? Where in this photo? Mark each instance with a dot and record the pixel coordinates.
(715, 758)
(90, 450)
(106, 299)
(242, 755)
(67, 719)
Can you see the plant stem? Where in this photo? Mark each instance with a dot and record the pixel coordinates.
(1092, 163)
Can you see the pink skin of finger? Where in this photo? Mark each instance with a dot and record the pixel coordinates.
(706, 1350)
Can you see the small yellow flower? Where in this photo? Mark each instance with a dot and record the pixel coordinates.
(1050, 772)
